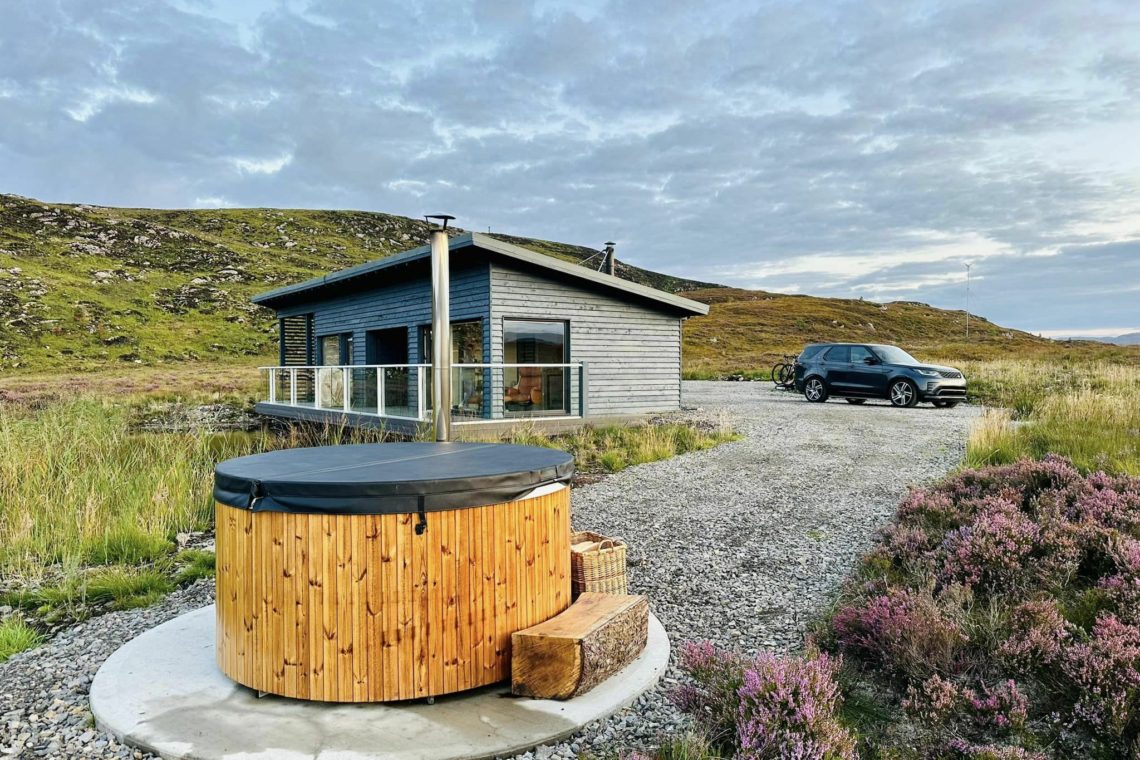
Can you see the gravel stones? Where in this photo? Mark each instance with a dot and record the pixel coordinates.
(741, 544)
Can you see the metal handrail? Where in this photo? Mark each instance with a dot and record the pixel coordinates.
(494, 365)
(422, 414)
(346, 366)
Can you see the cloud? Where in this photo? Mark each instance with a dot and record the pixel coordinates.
(839, 148)
(270, 165)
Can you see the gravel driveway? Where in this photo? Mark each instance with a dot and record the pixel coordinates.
(741, 544)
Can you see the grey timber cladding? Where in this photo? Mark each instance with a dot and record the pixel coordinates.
(633, 352)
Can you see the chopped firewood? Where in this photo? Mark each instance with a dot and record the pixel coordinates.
(575, 651)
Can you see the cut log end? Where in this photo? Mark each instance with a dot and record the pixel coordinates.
(575, 651)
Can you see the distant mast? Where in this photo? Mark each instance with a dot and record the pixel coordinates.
(968, 301)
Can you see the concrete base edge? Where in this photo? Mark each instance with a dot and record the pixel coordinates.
(163, 693)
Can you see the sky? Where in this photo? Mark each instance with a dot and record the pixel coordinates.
(853, 149)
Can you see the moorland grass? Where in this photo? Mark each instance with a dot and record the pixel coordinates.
(611, 448)
(1089, 413)
(78, 487)
(90, 507)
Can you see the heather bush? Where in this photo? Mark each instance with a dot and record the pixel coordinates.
(1038, 636)
(766, 707)
(935, 701)
(966, 751)
(1122, 589)
(904, 630)
(787, 710)
(1105, 672)
(991, 550)
(1028, 570)
(1001, 708)
(711, 697)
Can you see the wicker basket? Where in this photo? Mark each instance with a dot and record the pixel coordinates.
(600, 568)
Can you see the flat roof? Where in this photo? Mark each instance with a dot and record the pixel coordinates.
(291, 293)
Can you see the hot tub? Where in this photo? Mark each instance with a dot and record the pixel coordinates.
(389, 571)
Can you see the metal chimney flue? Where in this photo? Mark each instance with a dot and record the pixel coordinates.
(440, 328)
(611, 263)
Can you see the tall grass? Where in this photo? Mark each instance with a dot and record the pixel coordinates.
(612, 448)
(78, 487)
(1021, 385)
(1089, 413)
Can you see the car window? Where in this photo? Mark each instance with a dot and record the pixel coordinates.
(838, 354)
(859, 354)
(894, 355)
(810, 352)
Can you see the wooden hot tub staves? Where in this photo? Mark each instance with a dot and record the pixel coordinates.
(359, 608)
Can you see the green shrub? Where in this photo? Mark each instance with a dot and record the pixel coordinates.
(16, 636)
(194, 564)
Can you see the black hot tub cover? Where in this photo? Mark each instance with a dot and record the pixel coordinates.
(385, 478)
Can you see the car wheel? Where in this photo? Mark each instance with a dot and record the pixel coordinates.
(856, 401)
(815, 390)
(945, 404)
(903, 393)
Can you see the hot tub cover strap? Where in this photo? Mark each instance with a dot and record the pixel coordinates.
(385, 478)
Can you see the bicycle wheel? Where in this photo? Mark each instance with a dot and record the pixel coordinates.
(776, 370)
(787, 376)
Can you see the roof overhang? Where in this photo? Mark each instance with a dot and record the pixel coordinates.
(339, 280)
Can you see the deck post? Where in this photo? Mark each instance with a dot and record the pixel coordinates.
(346, 392)
(380, 391)
(420, 400)
(293, 386)
(583, 380)
(273, 385)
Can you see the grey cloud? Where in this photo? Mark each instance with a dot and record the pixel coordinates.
(709, 139)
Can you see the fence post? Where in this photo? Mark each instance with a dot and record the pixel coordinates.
(583, 381)
(316, 388)
(380, 391)
(346, 391)
(273, 385)
(420, 393)
(293, 387)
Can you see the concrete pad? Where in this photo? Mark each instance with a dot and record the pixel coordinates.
(162, 693)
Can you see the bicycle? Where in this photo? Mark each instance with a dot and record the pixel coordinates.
(784, 373)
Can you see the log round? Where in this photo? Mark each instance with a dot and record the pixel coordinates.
(366, 608)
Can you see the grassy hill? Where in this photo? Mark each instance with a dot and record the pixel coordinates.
(87, 287)
(750, 329)
(84, 286)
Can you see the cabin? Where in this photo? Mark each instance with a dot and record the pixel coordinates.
(533, 337)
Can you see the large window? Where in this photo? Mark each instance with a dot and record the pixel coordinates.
(336, 349)
(535, 389)
(466, 342)
(466, 348)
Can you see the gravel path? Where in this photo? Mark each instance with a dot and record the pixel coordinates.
(741, 544)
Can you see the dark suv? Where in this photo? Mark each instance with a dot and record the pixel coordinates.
(859, 371)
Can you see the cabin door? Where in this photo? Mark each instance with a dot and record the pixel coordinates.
(388, 347)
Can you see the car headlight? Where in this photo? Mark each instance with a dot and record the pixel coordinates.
(928, 372)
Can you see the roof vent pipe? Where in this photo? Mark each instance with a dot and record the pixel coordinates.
(440, 328)
(611, 263)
